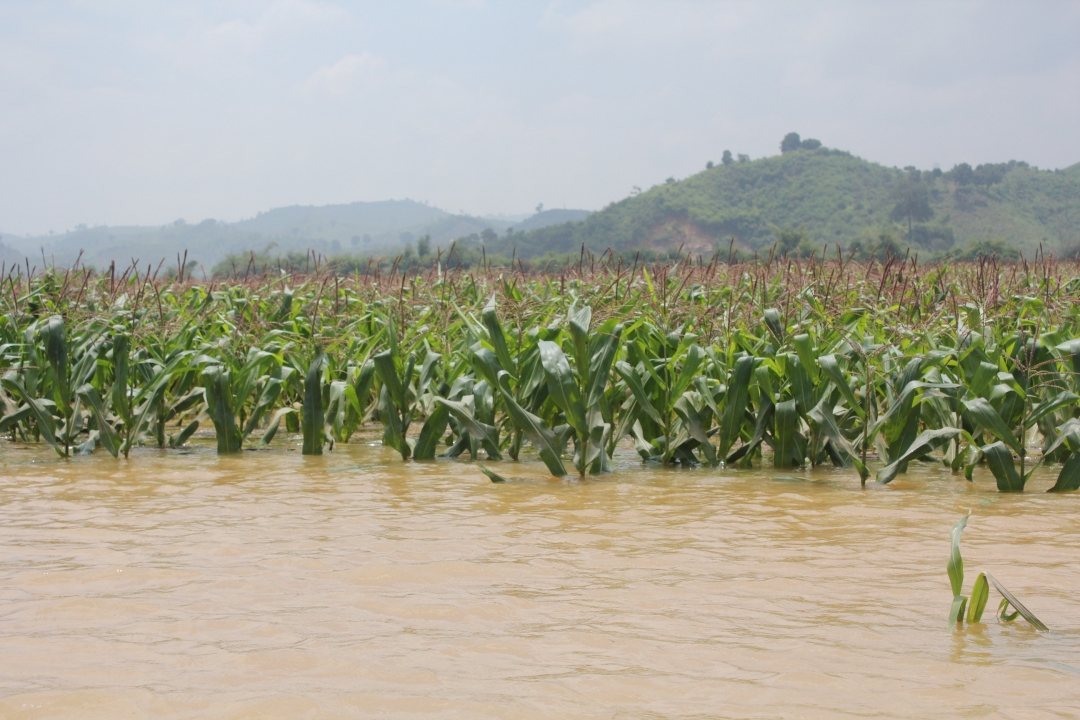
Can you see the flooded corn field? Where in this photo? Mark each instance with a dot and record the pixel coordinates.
(273, 585)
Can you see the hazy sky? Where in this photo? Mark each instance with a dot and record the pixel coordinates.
(142, 112)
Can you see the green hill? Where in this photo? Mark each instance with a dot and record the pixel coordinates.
(822, 196)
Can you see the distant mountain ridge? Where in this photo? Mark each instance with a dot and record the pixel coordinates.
(358, 228)
(822, 196)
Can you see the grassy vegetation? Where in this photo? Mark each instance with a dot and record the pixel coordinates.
(789, 363)
(829, 197)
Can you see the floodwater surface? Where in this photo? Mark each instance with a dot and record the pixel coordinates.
(270, 585)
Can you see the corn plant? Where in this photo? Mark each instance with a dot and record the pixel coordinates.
(970, 609)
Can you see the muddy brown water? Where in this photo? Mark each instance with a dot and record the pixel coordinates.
(270, 585)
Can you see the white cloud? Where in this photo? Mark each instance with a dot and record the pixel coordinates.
(344, 75)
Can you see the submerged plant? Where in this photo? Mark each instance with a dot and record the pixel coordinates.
(970, 610)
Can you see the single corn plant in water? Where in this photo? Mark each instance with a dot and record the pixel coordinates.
(970, 609)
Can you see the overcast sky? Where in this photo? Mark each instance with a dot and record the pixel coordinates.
(140, 113)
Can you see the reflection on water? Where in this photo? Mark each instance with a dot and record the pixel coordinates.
(269, 585)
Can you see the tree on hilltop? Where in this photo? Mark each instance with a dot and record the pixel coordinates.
(912, 202)
(790, 142)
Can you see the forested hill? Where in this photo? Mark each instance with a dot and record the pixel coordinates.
(810, 196)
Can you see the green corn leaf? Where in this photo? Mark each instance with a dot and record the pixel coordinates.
(802, 387)
(1011, 599)
(831, 368)
(980, 592)
(120, 406)
(696, 428)
(393, 435)
(313, 421)
(151, 398)
(579, 323)
(106, 432)
(643, 401)
(806, 355)
(267, 399)
(488, 435)
(542, 438)
(823, 420)
(337, 408)
(56, 352)
(644, 448)
(955, 566)
(920, 446)
(491, 474)
(709, 395)
(764, 417)
(562, 385)
(763, 378)
(497, 338)
(219, 400)
(1069, 477)
(692, 361)
(427, 443)
(956, 611)
(248, 376)
(361, 389)
(980, 383)
(983, 413)
(735, 407)
(386, 369)
(184, 435)
(1049, 405)
(88, 447)
(273, 426)
(1000, 461)
(16, 417)
(785, 428)
(775, 324)
(427, 370)
(604, 347)
(43, 419)
(485, 363)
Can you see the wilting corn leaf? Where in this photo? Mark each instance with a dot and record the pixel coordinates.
(106, 433)
(492, 475)
(644, 402)
(831, 368)
(42, 417)
(1011, 600)
(542, 438)
(18, 416)
(922, 444)
(486, 434)
(695, 426)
